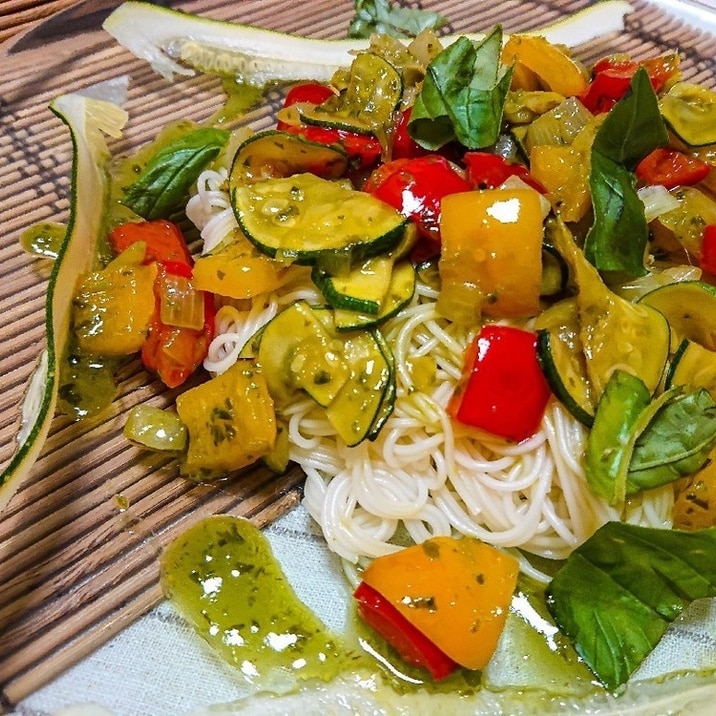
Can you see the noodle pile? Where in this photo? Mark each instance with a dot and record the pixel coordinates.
(424, 475)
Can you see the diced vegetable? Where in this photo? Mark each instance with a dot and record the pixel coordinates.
(456, 592)
(486, 170)
(671, 168)
(163, 239)
(491, 254)
(112, 308)
(554, 68)
(230, 419)
(503, 390)
(708, 250)
(155, 429)
(690, 111)
(695, 503)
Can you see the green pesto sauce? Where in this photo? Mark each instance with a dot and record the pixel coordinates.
(223, 578)
(240, 98)
(87, 383)
(43, 239)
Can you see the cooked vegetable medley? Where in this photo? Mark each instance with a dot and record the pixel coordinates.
(551, 230)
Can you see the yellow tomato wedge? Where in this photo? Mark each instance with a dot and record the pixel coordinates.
(534, 56)
(491, 254)
(457, 592)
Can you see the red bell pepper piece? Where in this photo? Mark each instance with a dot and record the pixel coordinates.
(612, 76)
(311, 92)
(411, 644)
(415, 187)
(671, 168)
(708, 250)
(175, 352)
(503, 390)
(404, 146)
(164, 239)
(486, 170)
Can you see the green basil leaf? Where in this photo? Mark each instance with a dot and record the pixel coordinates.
(163, 186)
(383, 18)
(463, 95)
(677, 442)
(618, 592)
(611, 439)
(617, 240)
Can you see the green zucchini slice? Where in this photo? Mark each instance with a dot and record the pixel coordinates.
(309, 220)
(690, 112)
(400, 293)
(388, 402)
(561, 357)
(366, 105)
(88, 120)
(690, 309)
(281, 154)
(692, 367)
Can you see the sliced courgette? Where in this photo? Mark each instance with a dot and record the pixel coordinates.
(690, 112)
(561, 357)
(364, 288)
(297, 353)
(692, 367)
(360, 402)
(555, 272)
(615, 333)
(400, 293)
(690, 309)
(309, 220)
(88, 120)
(281, 154)
(387, 404)
(366, 104)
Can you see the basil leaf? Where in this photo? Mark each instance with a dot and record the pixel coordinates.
(611, 439)
(381, 17)
(163, 186)
(463, 95)
(633, 128)
(618, 592)
(677, 442)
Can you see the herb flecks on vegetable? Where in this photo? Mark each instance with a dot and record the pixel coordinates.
(618, 592)
(463, 95)
(381, 16)
(617, 240)
(164, 184)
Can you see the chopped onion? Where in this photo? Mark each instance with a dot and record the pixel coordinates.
(657, 201)
(180, 304)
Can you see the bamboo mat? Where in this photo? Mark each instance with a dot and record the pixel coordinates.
(79, 541)
(18, 15)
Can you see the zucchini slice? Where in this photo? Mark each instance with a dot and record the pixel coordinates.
(693, 367)
(400, 293)
(88, 121)
(308, 220)
(690, 309)
(367, 104)
(388, 402)
(176, 42)
(690, 112)
(561, 357)
(281, 154)
(614, 332)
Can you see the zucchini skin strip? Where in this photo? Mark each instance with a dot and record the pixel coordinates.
(258, 56)
(88, 121)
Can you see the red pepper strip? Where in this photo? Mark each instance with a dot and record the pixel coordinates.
(364, 151)
(671, 168)
(175, 352)
(708, 250)
(164, 240)
(503, 390)
(404, 146)
(312, 92)
(488, 171)
(410, 643)
(415, 187)
(612, 77)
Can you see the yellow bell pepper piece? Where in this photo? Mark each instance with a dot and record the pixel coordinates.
(457, 592)
(564, 172)
(491, 255)
(230, 419)
(237, 270)
(555, 69)
(113, 307)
